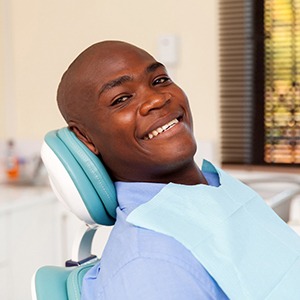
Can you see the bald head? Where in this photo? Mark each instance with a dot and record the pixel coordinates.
(77, 91)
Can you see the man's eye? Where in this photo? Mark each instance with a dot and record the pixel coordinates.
(161, 80)
(120, 100)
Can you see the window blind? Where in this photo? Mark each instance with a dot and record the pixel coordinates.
(282, 81)
(260, 81)
(236, 79)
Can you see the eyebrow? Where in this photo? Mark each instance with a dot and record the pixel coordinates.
(154, 66)
(115, 82)
(125, 78)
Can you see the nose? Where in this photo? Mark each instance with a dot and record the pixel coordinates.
(154, 101)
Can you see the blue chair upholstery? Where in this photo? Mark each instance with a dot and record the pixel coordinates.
(61, 283)
(80, 181)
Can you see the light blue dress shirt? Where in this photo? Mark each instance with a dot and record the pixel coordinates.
(140, 264)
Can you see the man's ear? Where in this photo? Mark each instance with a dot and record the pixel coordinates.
(83, 137)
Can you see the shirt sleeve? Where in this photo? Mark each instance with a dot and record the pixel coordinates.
(154, 279)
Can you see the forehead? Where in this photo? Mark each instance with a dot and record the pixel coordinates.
(120, 61)
(97, 66)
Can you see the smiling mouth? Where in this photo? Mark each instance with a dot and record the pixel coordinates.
(154, 133)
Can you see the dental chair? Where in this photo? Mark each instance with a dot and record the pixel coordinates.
(80, 181)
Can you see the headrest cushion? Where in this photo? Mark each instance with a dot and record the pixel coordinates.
(88, 175)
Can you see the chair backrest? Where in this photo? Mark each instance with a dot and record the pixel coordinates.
(78, 178)
(81, 182)
(51, 282)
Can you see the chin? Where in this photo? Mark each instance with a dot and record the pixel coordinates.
(181, 154)
(187, 147)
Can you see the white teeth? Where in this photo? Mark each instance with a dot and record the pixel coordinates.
(161, 129)
(165, 127)
(155, 133)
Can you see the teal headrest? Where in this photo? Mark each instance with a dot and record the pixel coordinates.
(78, 175)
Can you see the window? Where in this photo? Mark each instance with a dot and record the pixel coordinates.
(260, 81)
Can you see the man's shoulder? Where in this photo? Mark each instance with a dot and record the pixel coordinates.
(136, 257)
(129, 244)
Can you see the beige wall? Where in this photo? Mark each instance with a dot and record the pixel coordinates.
(41, 38)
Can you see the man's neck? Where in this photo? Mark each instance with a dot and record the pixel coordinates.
(189, 174)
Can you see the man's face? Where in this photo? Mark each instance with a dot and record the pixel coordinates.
(140, 121)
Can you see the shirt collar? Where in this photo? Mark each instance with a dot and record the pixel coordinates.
(130, 195)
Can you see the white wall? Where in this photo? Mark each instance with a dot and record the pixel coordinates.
(39, 39)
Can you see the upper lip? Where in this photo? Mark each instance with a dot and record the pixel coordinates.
(161, 122)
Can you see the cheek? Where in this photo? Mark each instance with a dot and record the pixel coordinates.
(183, 101)
(189, 113)
(114, 139)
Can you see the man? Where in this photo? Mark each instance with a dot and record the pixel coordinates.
(121, 103)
